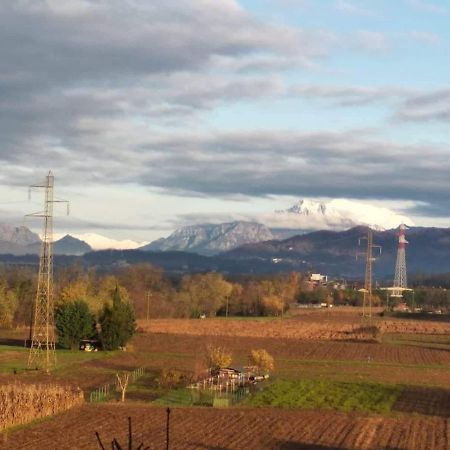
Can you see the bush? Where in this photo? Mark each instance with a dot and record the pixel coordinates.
(74, 322)
(171, 378)
(262, 360)
(118, 323)
(217, 358)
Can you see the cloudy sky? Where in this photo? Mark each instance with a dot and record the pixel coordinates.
(155, 114)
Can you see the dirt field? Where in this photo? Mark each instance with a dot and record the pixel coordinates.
(290, 349)
(259, 429)
(305, 325)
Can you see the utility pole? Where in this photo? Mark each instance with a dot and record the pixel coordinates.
(148, 304)
(367, 300)
(42, 348)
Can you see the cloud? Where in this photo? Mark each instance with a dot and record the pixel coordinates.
(70, 70)
(252, 163)
(426, 37)
(353, 9)
(430, 106)
(407, 105)
(372, 41)
(428, 7)
(348, 95)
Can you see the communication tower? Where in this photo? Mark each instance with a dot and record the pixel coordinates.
(400, 280)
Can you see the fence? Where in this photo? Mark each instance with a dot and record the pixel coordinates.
(106, 391)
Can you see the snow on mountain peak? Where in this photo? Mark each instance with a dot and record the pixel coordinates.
(100, 242)
(337, 214)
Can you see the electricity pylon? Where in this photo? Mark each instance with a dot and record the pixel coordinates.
(42, 347)
(367, 300)
(400, 280)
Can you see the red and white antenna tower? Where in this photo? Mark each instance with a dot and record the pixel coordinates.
(400, 280)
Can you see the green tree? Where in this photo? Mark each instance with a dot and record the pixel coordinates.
(117, 323)
(74, 322)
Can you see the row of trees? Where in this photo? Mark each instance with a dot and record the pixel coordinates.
(150, 291)
(156, 294)
(114, 328)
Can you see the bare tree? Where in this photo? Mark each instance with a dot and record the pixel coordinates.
(122, 380)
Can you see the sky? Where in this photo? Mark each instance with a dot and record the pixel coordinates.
(155, 115)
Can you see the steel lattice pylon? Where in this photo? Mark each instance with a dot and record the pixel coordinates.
(367, 291)
(42, 349)
(400, 279)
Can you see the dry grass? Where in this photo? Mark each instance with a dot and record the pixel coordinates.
(23, 403)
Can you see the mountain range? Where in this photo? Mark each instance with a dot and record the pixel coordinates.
(328, 252)
(302, 217)
(210, 239)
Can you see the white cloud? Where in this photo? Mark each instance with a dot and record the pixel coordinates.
(352, 8)
(429, 7)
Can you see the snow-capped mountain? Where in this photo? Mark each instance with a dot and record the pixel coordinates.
(100, 242)
(209, 239)
(338, 214)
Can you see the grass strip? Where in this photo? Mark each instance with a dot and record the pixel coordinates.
(322, 394)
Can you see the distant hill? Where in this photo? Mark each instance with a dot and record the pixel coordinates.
(68, 245)
(210, 239)
(334, 252)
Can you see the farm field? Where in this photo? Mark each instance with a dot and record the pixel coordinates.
(234, 428)
(302, 324)
(411, 368)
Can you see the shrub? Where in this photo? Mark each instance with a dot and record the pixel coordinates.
(217, 357)
(171, 378)
(74, 322)
(273, 305)
(262, 360)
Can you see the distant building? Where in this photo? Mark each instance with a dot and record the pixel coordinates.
(318, 278)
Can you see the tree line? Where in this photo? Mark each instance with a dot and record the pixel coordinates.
(153, 293)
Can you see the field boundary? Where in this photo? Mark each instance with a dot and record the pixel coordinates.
(104, 392)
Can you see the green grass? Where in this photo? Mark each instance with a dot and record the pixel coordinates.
(321, 394)
(16, 357)
(178, 397)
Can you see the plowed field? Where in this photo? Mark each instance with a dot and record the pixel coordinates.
(295, 349)
(316, 325)
(239, 429)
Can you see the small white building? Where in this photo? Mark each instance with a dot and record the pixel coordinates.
(318, 278)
